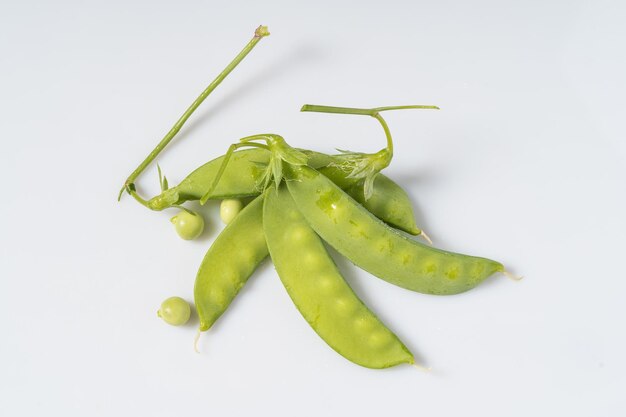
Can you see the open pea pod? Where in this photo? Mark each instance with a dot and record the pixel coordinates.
(370, 244)
(230, 261)
(243, 178)
(319, 291)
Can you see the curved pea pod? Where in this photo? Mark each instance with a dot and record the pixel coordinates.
(319, 291)
(377, 248)
(389, 202)
(230, 261)
(241, 178)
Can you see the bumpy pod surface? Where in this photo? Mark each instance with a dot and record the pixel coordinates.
(229, 262)
(389, 202)
(243, 177)
(377, 248)
(319, 291)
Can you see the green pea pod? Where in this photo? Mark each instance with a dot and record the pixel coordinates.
(377, 248)
(389, 202)
(230, 261)
(243, 178)
(319, 291)
(240, 179)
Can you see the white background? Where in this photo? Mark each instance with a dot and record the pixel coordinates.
(523, 164)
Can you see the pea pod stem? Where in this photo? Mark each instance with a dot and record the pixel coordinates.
(374, 112)
(259, 33)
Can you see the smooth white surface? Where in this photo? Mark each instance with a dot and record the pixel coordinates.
(524, 164)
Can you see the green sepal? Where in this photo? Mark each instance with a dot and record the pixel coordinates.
(162, 179)
(168, 198)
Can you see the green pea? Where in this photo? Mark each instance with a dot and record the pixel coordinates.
(229, 209)
(174, 311)
(319, 291)
(377, 248)
(188, 225)
(229, 262)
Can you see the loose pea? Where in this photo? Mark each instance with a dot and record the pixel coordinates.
(188, 225)
(174, 311)
(229, 209)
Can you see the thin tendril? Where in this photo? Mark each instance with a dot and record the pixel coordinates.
(367, 112)
(512, 276)
(195, 341)
(426, 237)
(232, 148)
(422, 367)
(387, 133)
(259, 33)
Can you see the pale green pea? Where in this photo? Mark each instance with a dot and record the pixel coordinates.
(188, 225)
(174, 311)
(229, 209)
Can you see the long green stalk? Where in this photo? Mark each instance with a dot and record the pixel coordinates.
(366, 112)
(129, 186)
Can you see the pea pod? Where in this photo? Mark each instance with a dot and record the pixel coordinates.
(319, 291)
(377, 248)
(389, 202)
(242, 178)
(229, 262)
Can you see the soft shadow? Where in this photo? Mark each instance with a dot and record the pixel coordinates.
(212, 223)
(297, 58)
(194, 320)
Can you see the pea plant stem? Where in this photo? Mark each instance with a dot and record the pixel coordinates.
(374, 112)
(260, 33)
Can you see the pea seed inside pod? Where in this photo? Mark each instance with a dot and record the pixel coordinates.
(326, 283)
(382, 250)
(299, 233)
(378, 339)
(229, 262)
(345, 305)
(321, 294)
